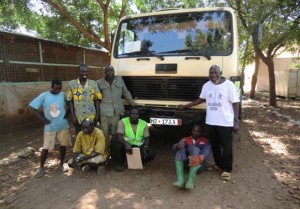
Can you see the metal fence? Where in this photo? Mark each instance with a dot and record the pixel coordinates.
(28, 59)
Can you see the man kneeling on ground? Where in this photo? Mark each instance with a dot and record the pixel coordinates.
(132, 132)
(89, 148)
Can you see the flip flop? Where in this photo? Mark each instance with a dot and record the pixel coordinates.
(225, 176)
(63, 169)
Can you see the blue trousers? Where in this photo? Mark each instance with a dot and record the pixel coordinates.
(182, 155)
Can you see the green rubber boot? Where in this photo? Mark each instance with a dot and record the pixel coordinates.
(191, 177)
(180, 174)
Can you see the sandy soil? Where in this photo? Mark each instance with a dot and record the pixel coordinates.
(266, 171)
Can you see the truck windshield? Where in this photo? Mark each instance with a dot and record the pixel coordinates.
(183, 34)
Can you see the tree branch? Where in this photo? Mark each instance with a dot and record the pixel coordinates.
(276, 49)
(123, 9)
(102, 5)
(104, 8)
(240, 14)
(88, 34)
(277, 43)
(262, 56)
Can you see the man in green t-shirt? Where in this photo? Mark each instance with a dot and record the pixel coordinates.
(132, 132)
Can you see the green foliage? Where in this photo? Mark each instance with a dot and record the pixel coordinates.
(280, 21)
(54, 26)
(15, 13)
(276, 18)
(155, 5)
(49, 23)
(76, 22)
(188, 42)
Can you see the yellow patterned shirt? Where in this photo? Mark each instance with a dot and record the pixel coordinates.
(83, 98)
(86, 144)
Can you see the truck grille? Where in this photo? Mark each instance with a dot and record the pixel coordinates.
(165, 88)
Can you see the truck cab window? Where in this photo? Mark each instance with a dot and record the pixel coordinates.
(208, 32)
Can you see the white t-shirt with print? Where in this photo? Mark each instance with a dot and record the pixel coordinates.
(219, 99)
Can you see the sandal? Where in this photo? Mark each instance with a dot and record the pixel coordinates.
(63, 169)
(214, 168)
(40, 173)
(225, 176)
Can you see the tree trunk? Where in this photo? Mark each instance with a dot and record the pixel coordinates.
(242, 80)
(272, 83)
(254, 76)
(243, 67)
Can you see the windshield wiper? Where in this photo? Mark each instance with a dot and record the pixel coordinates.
(207, 56)
(130, 53)
(175, 51)
(153, 53)
(187, 51)
(147, 53)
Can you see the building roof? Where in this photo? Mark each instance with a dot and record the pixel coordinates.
(48, 40)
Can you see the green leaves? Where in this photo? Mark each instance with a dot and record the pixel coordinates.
(85, 22)
(15, 13)
(90, 22)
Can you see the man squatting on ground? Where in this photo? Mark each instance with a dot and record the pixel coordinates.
(89, 148)
(222, 117)
(83, 96)
(113, 89)
(54, 117)
(132, 132)
(193, 151)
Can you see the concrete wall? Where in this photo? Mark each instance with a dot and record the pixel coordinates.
(15, 99)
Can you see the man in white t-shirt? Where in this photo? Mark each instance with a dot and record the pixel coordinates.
(222, 113)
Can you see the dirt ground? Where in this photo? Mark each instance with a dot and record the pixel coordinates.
(266, 171)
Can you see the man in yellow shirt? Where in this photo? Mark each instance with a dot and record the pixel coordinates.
(83, 96)
(89, 148)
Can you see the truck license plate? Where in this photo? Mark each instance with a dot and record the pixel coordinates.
(165, 121)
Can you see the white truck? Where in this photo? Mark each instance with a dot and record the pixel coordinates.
(164, 58)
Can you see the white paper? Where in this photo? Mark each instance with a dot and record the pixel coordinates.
(132, 46)
(123, 27)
